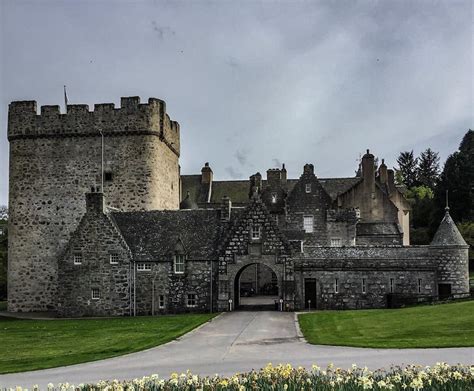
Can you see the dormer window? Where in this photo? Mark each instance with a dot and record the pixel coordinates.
(255, 232)
(308, 188)
(179, 262)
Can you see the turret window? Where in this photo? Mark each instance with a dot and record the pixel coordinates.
(95, 293)
(308, 188)
(364, 286)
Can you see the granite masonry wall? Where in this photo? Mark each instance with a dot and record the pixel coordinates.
(55, 159)
(104, 265)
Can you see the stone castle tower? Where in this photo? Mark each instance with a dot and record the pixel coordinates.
(56, 158)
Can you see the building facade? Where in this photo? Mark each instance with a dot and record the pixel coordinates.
(121, 232)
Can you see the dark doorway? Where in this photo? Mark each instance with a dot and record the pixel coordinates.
(256, 288)
(444, 291)
(310, 293)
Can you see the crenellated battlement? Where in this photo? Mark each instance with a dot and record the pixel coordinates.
(131, 118)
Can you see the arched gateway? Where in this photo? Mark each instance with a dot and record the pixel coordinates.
(254, 239)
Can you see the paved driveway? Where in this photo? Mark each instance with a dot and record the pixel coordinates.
(234, 342)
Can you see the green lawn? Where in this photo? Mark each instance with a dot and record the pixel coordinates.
(445, 325)
(3, 305)
(37, 344)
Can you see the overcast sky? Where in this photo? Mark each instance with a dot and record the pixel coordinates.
(254, 84)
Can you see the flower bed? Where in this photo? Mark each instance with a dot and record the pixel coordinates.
(286, 378)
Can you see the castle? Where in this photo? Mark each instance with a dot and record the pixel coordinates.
(103, 223)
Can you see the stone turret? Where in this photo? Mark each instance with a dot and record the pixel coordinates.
(447, 233)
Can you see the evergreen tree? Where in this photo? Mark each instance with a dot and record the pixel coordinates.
(407, 168)
(428, 168)
(458, 179)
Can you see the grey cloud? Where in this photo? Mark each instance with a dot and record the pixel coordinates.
(233, 173)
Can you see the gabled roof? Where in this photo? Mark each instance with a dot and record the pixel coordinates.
(238, 190)
(447, 233)
(153, 235)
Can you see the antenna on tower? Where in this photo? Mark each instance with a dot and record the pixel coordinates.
(447, 201)
(65, 98)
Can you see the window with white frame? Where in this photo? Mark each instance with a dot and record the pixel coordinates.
(161, 301)
(179, 261)
(95, 293)
(255, 231)
(77, 259)
(419, 285)
(392, 285)
(308, 188)
(114, 259)
(336, 242)
(336, 286)
(274, 198)
(364, 286)
(192, 300)
(143, 267)
(308, 222)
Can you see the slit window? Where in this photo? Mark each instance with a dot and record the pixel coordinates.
(179, 261)
(336, 286)
(419, 285)
(364, 286)
(392, 285)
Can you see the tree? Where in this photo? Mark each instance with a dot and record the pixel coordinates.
(428, 168)
(458, 179)
(407, 168)
(3, 212)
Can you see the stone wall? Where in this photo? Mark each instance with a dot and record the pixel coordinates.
(56, 158)
(95, 241)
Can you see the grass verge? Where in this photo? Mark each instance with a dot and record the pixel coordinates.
(446, 325)
(39, 344)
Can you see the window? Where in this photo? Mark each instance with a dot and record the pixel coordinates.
(308, 188)
(179, 260)
(95, 293)
(161, 301)
(364, 288)
(114, 259)
(144, 267)
(274, 198)
(336, 286)
(255, 232)
(308, 224)
(357, 213)
(108, 176)
(419, 285)
(336, 242)
(392, 285)
(192, 300)
(77, 259)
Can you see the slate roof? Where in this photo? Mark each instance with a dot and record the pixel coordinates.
(377, 228)
(447, 233)
(238, 190)
(153, 235)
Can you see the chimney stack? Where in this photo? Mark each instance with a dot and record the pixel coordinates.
(274, 178)
(390, 180)
(284, 176)
(206, 174)
(368, 172)
(383, 174)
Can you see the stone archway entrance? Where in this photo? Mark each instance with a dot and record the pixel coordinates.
(256, 287)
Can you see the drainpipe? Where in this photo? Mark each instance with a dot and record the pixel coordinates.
(212, 276)
(134, 288)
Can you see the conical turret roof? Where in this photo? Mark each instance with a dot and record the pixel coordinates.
(447, 233)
